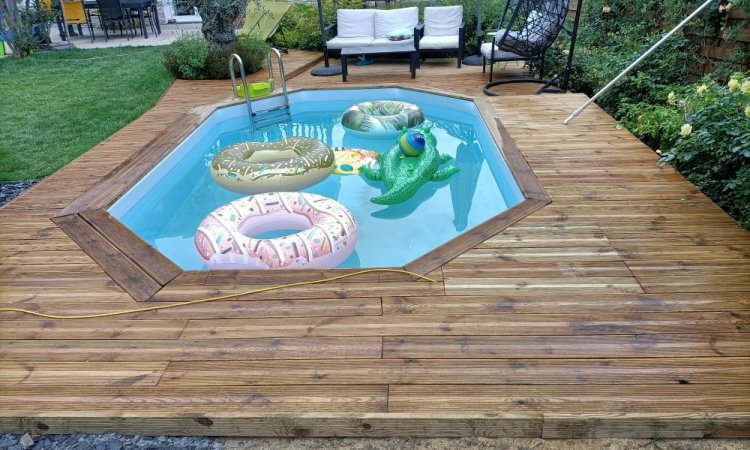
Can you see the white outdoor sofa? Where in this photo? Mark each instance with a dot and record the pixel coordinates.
(362, 28)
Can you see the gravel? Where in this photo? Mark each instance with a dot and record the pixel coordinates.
(115, 441)
(12, 189)
(107, 441)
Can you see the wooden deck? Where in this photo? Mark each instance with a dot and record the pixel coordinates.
(620, 309)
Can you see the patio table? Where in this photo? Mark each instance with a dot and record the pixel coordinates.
(138, 5)
(380, 49)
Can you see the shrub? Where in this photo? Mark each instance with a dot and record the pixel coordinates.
(253, 52)
(704, 131)
(299, 28)
(190, 57)
(609, 39)
(186, 56)
(713, 153)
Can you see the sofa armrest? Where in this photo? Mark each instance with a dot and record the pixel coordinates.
(419, 29)
(418, 34)
(329, 32)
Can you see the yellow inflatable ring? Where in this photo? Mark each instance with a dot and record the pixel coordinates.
(290, 164)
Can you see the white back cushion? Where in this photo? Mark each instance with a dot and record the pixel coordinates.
(355, 23)
(539, 25)
(393, 19)
(531, 29)
(443, 20)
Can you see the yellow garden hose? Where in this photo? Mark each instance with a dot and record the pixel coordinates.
(210, 299)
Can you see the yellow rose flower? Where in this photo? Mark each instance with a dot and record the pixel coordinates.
(745, 88)
(685, 130)
(747, 111)
(606, 9)
(733, 85)
(702, 89)
(671, 98)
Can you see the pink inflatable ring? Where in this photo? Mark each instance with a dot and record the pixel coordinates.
(225, 237)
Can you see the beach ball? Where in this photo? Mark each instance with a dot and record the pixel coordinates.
(411, 143)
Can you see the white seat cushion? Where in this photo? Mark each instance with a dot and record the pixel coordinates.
(443, 20)
(393, 19)
(355, 23)
(511, 39)
(438, 42)
(486, 50)
(338, 43)
(501, 32)
(386, 41)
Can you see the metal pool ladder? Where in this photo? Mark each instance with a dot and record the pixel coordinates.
(277, 109)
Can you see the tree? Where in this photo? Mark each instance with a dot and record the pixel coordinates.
(220, 18)
(24, 25)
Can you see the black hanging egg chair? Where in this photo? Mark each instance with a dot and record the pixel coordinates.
(527, 29)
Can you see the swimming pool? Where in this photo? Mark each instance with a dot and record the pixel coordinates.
(165, 207)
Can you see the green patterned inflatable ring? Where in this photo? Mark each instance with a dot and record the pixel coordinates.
(382, 118)
(290, 164)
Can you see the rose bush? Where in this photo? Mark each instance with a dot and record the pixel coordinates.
(703, 129)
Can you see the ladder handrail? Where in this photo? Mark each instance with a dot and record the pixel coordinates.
(269, 64)
(281, 72)
(236, 57)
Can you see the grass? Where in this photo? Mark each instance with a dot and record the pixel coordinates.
(56, 105)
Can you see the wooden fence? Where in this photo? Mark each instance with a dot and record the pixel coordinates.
(714, 47)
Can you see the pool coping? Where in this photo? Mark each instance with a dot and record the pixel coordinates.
(142, 271)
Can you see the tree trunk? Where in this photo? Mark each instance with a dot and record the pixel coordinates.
(220, 18)
(219, 39)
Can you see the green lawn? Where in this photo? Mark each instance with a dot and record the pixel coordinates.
(56, 105)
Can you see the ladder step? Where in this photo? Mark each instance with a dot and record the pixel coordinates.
(272, 116)
(281, 108)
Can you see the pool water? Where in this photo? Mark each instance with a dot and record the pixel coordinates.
(166, 206)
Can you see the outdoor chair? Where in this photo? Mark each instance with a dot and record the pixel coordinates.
(75, 14)
(148, 14)
(112, 12)
(443, 30)
(527, 28)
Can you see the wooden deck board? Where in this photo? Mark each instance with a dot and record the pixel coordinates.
(636, 371)
(508, 324)
(620, 309)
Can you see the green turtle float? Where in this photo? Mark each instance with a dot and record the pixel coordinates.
(403, 174)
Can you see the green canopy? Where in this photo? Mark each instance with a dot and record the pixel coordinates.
(262, 18)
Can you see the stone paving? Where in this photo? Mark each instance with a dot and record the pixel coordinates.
(169, 32)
